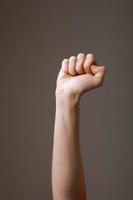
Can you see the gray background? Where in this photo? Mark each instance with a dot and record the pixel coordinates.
(35, 37)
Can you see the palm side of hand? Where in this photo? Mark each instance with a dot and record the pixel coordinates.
(80, 74)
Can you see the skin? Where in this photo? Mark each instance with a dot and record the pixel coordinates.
(77, 75)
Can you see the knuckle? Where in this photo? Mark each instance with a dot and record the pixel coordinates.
(90, 55)
(64, 60)
(72, 58)
(81, 55)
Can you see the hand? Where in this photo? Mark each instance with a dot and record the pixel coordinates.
(79, 74)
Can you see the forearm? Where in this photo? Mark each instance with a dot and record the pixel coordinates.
(67, 171)
(76, 76)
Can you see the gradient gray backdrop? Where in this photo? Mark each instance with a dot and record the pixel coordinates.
(35, 37)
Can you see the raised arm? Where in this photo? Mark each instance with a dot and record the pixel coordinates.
(77, 75)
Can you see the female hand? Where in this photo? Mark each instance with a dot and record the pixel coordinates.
(79, 74)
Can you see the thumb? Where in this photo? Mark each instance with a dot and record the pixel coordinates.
(98, 71)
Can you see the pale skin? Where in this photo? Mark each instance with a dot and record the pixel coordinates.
(78, 74)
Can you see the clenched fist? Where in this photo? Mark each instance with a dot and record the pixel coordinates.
(79, 74)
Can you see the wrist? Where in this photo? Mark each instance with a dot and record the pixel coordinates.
(64, 98)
